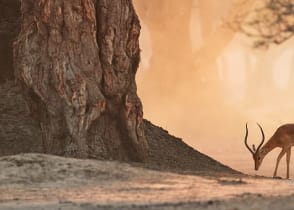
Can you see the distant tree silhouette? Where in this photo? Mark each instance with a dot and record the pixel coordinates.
(272, 22)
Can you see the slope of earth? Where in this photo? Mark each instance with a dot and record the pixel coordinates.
(170, 153)
(19, 133)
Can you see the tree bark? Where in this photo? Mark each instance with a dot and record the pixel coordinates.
(76, 61)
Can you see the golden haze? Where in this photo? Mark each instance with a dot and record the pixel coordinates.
(202, 81)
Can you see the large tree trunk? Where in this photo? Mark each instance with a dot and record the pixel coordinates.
(77, 61)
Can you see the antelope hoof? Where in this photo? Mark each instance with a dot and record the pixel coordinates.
(277, 177)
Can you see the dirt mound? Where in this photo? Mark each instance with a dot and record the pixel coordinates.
(9, 27)
(170, 153)
(19, 133)
(40, 168)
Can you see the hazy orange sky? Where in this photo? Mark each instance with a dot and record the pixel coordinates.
(203, 82)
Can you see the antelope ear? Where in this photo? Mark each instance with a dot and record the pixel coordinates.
(253, 147)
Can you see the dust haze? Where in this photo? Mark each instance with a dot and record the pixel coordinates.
(202, 81)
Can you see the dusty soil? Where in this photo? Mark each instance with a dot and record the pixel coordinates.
(35, 181)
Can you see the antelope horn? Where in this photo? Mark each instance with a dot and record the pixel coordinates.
(246, 136)
(262, 141)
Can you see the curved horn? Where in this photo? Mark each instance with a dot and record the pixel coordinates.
(246, 136)
(262, 141)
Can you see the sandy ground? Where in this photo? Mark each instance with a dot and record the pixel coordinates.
(35, 181)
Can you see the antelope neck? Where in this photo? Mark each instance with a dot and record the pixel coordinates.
(267, 148)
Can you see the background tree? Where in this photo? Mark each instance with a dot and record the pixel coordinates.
(270, 23)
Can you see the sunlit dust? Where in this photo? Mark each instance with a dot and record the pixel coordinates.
(203, 81)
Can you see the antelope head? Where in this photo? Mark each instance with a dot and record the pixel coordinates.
(256, 153)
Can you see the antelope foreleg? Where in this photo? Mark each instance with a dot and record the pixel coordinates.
(282, 153)
(288, 162)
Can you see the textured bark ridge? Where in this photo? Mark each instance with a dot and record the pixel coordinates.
(76, 61)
